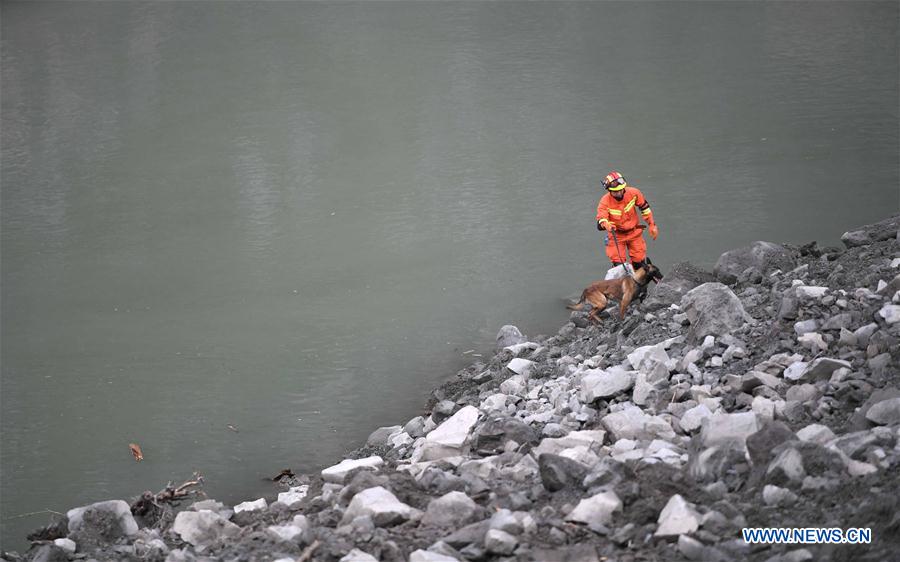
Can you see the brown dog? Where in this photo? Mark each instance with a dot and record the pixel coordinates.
(624, 290)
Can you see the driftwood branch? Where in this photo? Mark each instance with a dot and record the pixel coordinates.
(308, 551)
(155, 505)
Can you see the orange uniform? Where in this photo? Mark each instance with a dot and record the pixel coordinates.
(624, 215)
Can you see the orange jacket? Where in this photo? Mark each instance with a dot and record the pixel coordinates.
(624, 213)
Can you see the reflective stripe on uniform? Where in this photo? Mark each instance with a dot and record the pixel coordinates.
(615, 212)
(646, 212)
(630, 204)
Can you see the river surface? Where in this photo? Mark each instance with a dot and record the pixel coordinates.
(298, 218)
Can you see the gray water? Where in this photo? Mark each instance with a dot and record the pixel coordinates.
(298, 218)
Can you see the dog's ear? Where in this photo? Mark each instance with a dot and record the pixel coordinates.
(647, 259)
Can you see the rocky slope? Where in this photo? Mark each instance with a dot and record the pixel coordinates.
(763, 394)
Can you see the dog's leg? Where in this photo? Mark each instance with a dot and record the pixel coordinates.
(598, 304)
(627, 295)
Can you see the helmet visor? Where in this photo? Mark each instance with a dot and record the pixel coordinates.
(617, 184)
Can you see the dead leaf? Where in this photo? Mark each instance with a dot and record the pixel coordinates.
(136, 451)
(232, 428)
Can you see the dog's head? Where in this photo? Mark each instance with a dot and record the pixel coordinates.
(650, 272)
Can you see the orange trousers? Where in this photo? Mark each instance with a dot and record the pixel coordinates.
(632, 241)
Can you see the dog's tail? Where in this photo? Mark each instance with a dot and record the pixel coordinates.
(580, 304)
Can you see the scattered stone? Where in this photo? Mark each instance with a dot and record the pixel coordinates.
(816, 433)
(598, 383)
(692, 419)
(449, 438)
(890, 313)
(598, 508)
(379, 437)
(499, 542)
(428, 556)
(66, 544)
(726, 427)
(255, 505)
(558, 472)
(822, 368)
(203, 527)
(509, 335)
(760, 257)
(337, 473)
(713, 308)
(357, 555)
(774, 496)
(521, 367)
(449, 509)
(886, 412)
(109, 519)
(678, 517)
(380, 504)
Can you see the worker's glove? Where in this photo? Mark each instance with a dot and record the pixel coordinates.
(654, 231)
(600, 225)
(610, 227)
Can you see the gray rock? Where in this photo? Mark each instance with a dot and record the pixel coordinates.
(442, 410)
(713, 309)
(803, 393)
(558, 472)
(816, 433)
(336, 474)
(806, 326)
(472, 533)
(632, 423)
(776, 496)
(859, 421)
(450, 438)
(509, 335)
(379, 437)
(521, 367)
(567, 553)
(678, 517)
(763, 257)
(108, 519)
(429, 556)
(646, 358)
(886, 412)
(499, 542)
(415, 427)
(68, 545)
(296, 530)
(882, 230)
(48, 553)
(598, 383)
(381, 505)
(492, 436)
(357, 555)
(789, 308)
(598, 508)
(762, 444)
(692, 419)
(727, 427)
(590, 438)
(822, 368)
(890, 313)
(203, 527)
(840, 321)
(786, 467)
(453, 508)
(853, 444)
(863, 333)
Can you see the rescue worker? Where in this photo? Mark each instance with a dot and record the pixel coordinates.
(618, 212)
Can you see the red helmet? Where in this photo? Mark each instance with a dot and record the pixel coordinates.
(614, 181)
